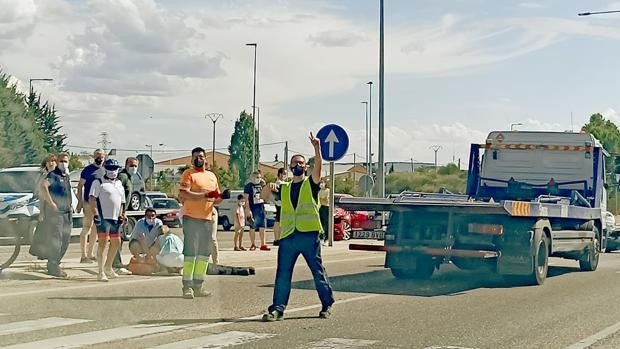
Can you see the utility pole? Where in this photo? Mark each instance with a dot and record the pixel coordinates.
(436, 149)
(354, 170)
(411, 165)
(285, 155)
(369, 83)
(214, 117)
(366, 144)
(381, 167)
(104, 142)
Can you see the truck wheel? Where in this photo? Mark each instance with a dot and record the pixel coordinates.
(225, 223)
(541, 265)
(589, 261)
(423, 270)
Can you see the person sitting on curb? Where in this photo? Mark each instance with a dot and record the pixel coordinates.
(143, 241)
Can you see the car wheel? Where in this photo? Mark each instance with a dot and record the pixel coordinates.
(346, 231)
(225, 223)
(134, 202)
(127, 228)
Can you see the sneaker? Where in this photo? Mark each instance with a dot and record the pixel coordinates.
(199, 292)
(122, 271)
(57, 273)
(188, 293)
(102, 277)
(237, 248)
(241, 248)
(110, 273)
(272, 316)
(86, 260)
(253, 247)
(93, 258)
(325, 313)
(265, 248)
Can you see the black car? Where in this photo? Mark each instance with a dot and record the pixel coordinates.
(170, 219)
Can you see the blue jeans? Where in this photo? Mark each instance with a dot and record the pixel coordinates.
(308, 245)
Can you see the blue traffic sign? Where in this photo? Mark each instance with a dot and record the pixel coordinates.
(334, 142)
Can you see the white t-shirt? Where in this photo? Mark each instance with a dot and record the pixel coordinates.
(111, 196)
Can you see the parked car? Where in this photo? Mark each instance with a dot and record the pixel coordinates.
(155, 195)
(170, 219)
(226, 211)
(613, 235)
(355, 224)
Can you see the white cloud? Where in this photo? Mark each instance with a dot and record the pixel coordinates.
(336, 38)
(532, 5)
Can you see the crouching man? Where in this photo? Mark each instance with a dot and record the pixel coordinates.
(144, 241)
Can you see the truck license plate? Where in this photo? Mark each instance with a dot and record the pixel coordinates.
(367, 234)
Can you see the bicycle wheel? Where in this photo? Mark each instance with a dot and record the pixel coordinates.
(9, 249)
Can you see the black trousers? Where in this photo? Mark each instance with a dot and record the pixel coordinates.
(324, 216)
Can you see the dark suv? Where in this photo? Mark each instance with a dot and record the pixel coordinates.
(136, 199)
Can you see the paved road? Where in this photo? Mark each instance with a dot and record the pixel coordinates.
(455, 309)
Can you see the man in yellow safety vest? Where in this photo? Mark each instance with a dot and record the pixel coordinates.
(300, 226)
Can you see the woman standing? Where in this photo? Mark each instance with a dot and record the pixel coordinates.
(324, 209)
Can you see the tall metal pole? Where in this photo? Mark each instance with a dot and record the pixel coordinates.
(366, 143)
(381, 166)
(285, 155)
(436, 149)
(254, 108)
(369, 83)
(214, 117)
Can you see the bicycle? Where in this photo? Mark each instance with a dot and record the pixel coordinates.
(10, 244)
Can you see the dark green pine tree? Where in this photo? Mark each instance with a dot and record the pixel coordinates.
(240, 148)
(48, 124)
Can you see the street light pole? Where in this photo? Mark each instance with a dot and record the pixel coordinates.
(381, 165)
(36, 79)
(512, 126)
(369, 83)
(436, 149)
(366, 143)
(214, 117)
(254, 141)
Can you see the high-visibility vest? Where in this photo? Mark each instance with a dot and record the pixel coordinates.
(305, 217)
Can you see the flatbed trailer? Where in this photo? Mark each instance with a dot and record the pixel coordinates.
(510, 223)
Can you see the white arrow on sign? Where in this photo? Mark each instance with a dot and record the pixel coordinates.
(331, 139)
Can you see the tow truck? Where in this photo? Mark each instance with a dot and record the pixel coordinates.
(529, 196)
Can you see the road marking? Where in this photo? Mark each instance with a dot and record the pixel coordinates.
(446, 347)
(226, 339)
(587, 342)
(125, 282)
(40, 324)
(288, 311)
(339, 343)
(96, 337)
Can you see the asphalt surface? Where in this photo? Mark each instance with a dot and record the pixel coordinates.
(455, 309)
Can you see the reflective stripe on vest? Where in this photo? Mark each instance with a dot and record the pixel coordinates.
(305, 217)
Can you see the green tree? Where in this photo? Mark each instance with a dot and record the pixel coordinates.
(608, 134)
(74, 162)
(240, 148)
(427, 180)
(48, 124)
(228, 179)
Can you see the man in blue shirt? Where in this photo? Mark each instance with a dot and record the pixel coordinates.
(144, 237)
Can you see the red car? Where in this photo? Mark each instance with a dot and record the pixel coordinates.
(346, 221)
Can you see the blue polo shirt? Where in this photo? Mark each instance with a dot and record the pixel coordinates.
(149, 231)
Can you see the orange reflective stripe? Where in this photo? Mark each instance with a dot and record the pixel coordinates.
(521, 208)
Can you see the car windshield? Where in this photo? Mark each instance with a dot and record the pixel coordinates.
(18, 181)
(156, 196)
(166, 204)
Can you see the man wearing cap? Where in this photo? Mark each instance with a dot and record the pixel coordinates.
(107, 200)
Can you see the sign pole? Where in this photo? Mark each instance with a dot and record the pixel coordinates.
(331, 204)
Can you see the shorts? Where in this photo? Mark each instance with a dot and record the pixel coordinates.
(109, 227)
(258, 218)
(278, 210)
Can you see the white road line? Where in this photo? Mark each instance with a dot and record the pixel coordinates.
(226, 339)
(125, 282)
(288, 311)
(587, 342)
(339, 343)
(40, 324)
(96, 337)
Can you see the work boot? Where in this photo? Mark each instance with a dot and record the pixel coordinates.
(188, 293)
(326, 312)
(272, 316)
(199, 292)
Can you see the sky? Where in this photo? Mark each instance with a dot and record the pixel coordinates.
(147, 72)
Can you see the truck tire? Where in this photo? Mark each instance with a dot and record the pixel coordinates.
(424, 268)
(225, 223)
(589, 261)
(540, 265)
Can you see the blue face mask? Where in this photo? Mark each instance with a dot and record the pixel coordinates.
(297, 170)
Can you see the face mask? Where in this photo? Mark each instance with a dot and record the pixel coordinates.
(62, 166)
(297, 170)
(98, 161)
(199, 163)
(150, 221)
(132, 170)
(111, 174)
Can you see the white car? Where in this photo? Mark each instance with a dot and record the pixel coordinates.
(226, 211)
